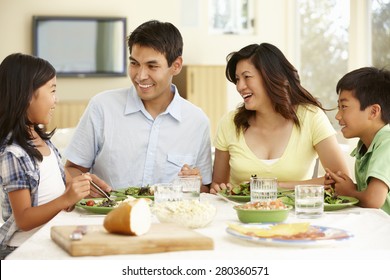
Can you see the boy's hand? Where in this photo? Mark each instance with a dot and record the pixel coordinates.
(342, 183)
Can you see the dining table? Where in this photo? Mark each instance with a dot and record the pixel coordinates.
(369, 231)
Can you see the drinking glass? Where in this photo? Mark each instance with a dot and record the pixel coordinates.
(190, 186)
(309, 201)
(167, 192)
(263, 189)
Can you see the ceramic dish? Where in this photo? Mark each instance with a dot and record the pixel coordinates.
(331, 236)
(262, 216)
(288, 200)
(96, 209)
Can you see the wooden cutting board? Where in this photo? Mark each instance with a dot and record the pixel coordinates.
(160, 238)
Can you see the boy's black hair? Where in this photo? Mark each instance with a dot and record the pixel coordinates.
(370, 86)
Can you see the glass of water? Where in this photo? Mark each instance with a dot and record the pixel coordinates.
(309, 201)
(190, 186)
(167, 192)
(263, 189)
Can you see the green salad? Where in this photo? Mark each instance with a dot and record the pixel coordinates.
(331, 197)
(140, 191)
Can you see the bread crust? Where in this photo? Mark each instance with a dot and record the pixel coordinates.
(119, 220)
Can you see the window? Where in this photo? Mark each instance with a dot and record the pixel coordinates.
(324, 48)
(231, 17)
(380, 33)
(332, 44)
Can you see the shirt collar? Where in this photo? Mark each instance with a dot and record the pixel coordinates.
(134, 104)
(355, 152)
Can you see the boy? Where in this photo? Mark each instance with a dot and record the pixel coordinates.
(364, 112)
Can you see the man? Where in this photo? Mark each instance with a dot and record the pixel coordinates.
(147, 133)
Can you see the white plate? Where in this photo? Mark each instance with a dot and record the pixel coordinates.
(332, 236)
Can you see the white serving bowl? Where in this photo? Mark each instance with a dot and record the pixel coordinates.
(188, 213)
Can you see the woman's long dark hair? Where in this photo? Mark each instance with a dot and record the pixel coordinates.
(20, 76)
(281, 81)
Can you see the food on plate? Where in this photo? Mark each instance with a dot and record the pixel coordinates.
(90, 202)
(242, 189)
(132, 218)
(140, 191)
(100, 203)
(281, 231)
(188, 213)
(273, 211)
(331, 197)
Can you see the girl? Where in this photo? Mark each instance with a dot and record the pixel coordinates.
(32, 177)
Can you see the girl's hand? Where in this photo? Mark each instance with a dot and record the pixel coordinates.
(77, 189)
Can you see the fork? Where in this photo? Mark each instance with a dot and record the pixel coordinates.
(226, 199)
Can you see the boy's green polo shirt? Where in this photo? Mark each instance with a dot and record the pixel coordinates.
(374, 163)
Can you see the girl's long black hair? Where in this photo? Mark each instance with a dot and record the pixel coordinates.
(20, 76)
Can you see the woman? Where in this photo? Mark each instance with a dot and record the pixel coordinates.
(280, 128)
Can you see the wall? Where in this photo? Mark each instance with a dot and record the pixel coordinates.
(272, 25)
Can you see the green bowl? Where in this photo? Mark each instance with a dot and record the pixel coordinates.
(262, 216)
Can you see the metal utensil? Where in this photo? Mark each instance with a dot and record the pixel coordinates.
(226, 199)
(78, 233)
(106, 195)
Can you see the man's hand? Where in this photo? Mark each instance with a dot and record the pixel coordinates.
(186, 170)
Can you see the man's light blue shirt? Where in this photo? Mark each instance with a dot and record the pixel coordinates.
(125, 146)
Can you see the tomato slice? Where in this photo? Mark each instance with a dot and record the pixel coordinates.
(90, 203)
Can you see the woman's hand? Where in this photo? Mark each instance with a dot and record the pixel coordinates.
(215, 188)
(328, 181)
(341, 183)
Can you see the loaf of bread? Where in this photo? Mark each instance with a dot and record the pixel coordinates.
(131, 218)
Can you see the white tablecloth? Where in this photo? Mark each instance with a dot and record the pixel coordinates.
(370, 229)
